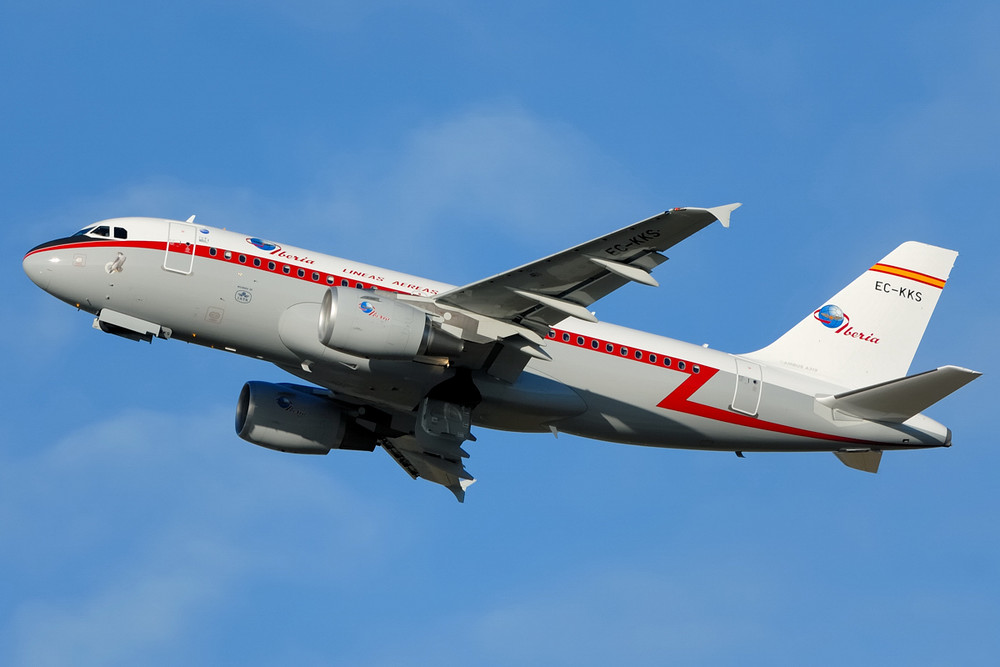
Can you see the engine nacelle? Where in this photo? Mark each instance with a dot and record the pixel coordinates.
(378, 326)
(292, 419)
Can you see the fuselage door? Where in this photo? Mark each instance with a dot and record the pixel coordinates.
(749, 384)
(181, 240)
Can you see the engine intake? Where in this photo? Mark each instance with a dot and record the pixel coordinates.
(378, 326)
(293, 419)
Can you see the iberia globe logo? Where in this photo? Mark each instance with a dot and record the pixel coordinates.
(262, 244)
(368, 308)
(831, 316)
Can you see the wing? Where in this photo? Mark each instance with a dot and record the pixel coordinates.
(539, 294)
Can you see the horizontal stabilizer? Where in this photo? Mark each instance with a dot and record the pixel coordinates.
(864, 461)
(898, 400)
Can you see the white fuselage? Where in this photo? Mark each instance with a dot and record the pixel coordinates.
(244, 295)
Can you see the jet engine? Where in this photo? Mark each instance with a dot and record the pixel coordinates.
(378, 326)
(291, 418)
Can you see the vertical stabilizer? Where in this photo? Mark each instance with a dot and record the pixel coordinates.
(869, 331)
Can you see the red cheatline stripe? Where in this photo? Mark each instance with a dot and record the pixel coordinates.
(204, 251)
(678, 401)
(907, 273)
(698, 375)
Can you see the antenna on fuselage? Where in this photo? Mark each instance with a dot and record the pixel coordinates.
(191, 219)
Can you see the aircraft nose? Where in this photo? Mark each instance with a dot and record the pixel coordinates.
(38, 267)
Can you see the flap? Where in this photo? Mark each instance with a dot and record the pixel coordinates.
(418, 461)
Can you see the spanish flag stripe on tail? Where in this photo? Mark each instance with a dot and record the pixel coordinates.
(911, 275)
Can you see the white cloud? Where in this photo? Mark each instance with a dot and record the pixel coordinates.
(330, 16)
(624, 614)
(133, 531)
(916, 152)
(638, 618)
(446, 193)
(456, 186)
(120, 624)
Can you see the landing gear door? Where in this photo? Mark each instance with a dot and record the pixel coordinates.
(181, 240)
(749, 384)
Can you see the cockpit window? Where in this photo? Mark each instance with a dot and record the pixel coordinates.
(106, 231)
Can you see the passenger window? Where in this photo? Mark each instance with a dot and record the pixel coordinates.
(256, 261)
(286, 269)
(302, 273)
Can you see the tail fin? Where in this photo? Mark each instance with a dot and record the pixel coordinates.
(869, 331)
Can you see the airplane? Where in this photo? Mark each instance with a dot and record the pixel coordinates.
(412, 365)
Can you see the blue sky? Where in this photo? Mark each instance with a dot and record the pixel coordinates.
(455, 140)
